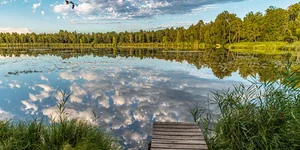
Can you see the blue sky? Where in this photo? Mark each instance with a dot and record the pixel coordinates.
(119, 15)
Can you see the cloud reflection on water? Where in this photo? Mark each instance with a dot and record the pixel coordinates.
(127, 95)
(4, 115)
(128, 99)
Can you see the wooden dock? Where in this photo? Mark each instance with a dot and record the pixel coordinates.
(177, 135)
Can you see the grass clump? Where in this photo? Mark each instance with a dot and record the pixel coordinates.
(266, 46)
(261, 116)
(60, 134)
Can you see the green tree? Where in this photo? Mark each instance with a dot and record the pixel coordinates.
(252, 26)
(275, 24)
(225, 24)
(294, 20)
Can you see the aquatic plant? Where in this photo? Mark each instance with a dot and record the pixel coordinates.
(64, 134)
(264, 115)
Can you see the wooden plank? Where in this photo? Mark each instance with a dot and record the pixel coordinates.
(178, 146)
(176, 130)
(178, 149)
(167, 141)
(175, 149)
(175, 127)
(177, 133)
(175, 123)
(178, 137)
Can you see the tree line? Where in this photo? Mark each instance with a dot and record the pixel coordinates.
(276, 24)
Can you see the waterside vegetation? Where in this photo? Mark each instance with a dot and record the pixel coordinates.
(265, 115)
(60, 133)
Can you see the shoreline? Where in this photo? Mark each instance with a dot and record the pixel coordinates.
(268, 46)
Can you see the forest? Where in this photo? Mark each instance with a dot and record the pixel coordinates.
(275, 24)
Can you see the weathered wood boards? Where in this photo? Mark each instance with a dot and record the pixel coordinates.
(177, 135)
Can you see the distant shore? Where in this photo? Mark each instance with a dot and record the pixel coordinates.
(181, 45)
(283, 46)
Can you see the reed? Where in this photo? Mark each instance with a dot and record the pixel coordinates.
(264, 115)
(62, 134)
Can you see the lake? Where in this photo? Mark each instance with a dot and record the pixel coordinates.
(125, 90)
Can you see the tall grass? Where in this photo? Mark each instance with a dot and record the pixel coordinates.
(266, 46)
(261, 116)
(64, 134)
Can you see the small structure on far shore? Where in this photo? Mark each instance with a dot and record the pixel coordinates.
(177, 135)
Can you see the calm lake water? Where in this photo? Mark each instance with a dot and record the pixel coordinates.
(127, 89)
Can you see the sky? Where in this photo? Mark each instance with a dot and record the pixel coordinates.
(49, 16)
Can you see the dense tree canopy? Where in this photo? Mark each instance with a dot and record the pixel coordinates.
(276, 24)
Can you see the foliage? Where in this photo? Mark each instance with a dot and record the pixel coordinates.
(265, 115)
(64, 134)
(252, 27)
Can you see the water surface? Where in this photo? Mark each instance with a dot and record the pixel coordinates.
(126, 89)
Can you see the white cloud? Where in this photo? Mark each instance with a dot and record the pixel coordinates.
(85, 9)
(136, 136)
(140, 116)
(61, 8)
(5, 115)
(12, 86)
(46, 88)
(39, 97)
(84, 115)
(77, 93)
(133, 9)
(118, 100)
(75, 99)
(35, 6)
(4, 2)
(44, 78)
(88, 76)
(16, 30)
(30, 107)
(1, 82)
(67, 75)
(43, 13)
(104, 102)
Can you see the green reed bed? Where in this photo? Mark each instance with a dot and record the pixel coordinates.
(269, 46)
(61, 133)
(266, 52)
(260, 116)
